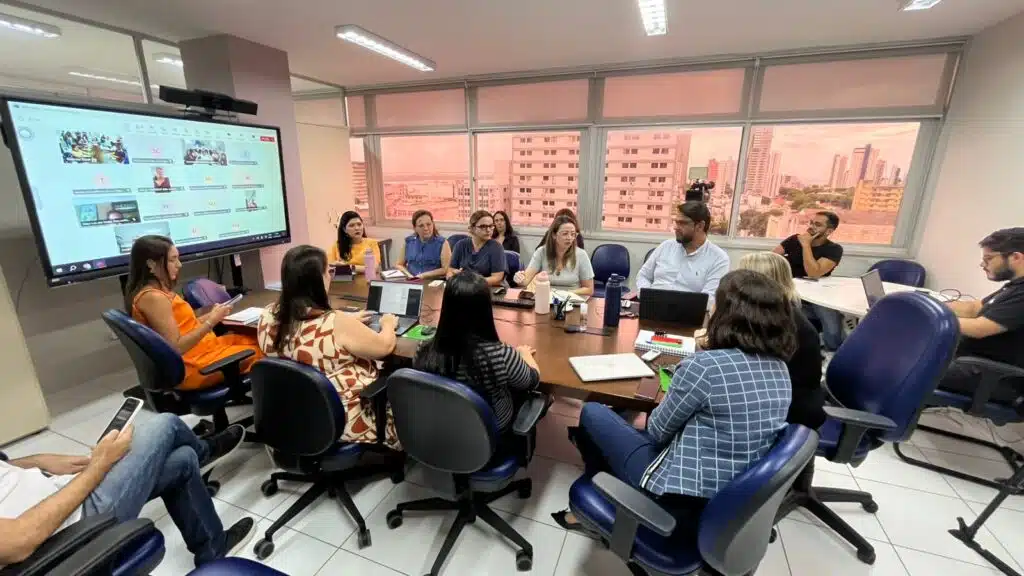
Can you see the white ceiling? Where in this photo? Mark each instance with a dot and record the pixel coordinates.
(469, 37)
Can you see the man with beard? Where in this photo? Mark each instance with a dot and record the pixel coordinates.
(993, 327)
(690, 263)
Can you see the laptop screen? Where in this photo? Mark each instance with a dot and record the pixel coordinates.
(398, 298)
(873, 287)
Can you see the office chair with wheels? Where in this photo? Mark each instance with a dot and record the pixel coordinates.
(513, 263)
(608, 259)
(735, 527)
(648, 255)
(385, 253)
(455, 239)
(235, 567)
(95, 546)
(299, 416)
(203, 292)
(881, 376)
(449, 428)
(905, 272)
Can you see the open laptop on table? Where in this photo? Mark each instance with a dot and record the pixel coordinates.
(873, 287)
(403, 299)
(673, 307)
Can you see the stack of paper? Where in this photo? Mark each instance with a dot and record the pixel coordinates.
(249, 316)
(665, 343)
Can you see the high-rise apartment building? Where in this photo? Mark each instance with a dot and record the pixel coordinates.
(879, 176)
(359, 188)
(895, 177)
(837, 177)
(774, 181)
(759, 160)
(645, 176)
(871, 197)
(543, 177)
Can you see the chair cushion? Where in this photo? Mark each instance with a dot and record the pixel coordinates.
(828, 441)
(143, 558)
(207, 400)
(342, 457)
(503, 471)
(672, 555)
(999, 414)
(235, 567)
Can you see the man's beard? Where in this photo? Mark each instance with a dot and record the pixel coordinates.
(684, 239)
(1001, 275)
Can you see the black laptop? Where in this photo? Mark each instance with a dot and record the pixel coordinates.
(673, 307)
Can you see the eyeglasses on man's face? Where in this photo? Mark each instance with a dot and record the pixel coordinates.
(485, 226)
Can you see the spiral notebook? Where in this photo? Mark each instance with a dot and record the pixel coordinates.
(671, 344)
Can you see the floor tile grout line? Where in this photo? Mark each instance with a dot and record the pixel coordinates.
(944, 557)
(561, 549)
(782, 543)
(317, 573)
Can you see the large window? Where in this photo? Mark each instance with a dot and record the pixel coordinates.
(360, 191)
(418, 109)
(530, 175)
(678, 94)
(429, 172)
(859, 171)
(647, 173)
(551, 102)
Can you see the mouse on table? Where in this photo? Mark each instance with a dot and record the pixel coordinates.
(428, 331)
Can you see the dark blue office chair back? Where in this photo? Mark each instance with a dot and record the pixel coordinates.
(609, 259)
(455, 239)
(892, 362)
(442, 423)
(296, 409)
(905, 272)
(157, 363)
(513, 264)
(202, 292)
(648, 255)
(736, 524)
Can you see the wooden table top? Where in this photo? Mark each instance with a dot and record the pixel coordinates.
(522, 327)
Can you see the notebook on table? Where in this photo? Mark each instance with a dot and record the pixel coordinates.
(249, 316)
(648, 340)
(610, 367)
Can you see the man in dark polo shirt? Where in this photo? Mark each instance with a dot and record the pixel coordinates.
(993, 327)
(813, 255)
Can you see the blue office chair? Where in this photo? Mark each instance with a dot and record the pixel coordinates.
(735, 527)
(385, 253)
(203, 292)
(882, 376)
(96, 546)
(449, 428)
(513, 263)
(455, 239)
(299, 417)
(905, 272)
(608, 259)
(648, 255)
(235, 567)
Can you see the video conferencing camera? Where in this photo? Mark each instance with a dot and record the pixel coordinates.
(699, 191)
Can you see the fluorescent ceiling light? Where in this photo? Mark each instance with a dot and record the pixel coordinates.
(28, 26)
(652, 12)
(910, 5)
(170, 59)
(371, 41)
(107, 77)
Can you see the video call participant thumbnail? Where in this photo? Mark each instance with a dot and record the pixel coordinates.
(79, 147)
(160, 179)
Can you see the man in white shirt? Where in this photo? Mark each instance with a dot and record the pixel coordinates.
(690, 263)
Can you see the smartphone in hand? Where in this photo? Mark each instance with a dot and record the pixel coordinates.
(124, 416)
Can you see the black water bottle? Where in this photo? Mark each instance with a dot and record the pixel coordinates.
(612, 301)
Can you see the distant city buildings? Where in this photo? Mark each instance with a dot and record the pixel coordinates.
(359, 188)
(871, 197)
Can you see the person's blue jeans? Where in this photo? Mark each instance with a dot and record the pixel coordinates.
(164, 462)
(831, 324)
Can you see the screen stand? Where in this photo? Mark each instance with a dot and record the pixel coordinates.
(123, 278)
(236, 276)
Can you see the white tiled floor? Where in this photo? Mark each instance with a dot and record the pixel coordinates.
(909, 532)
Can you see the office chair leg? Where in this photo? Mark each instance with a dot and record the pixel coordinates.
(341, 493)
(427, 505)
(1013, 458)
(265, 547)
(865, 551)
(449, 542)
(966, 533)
(523, 488)
(524, 556)
(851, 496)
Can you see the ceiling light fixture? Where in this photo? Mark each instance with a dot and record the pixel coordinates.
(652, 12)
(169, 59)
(370, 41)
(911, 5)
(28, 26)
(104, 77)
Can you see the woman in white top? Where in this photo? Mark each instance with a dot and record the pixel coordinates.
(568, 266)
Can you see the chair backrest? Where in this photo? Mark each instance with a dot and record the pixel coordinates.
(648, 255)
(513, 263)
(455, 239)
(890, 364)
(202, 292)
(737, 523)
(609, 259)
(905, 272)
(296, 409)
(441, 423)
(157, 363)
(385, 253)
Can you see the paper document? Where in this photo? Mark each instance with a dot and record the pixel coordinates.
(610, 367)
(249, 316)
(665, 343)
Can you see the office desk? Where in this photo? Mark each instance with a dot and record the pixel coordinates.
(517, 327)
(843, 294)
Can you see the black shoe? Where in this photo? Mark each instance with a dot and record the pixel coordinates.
(221, 444)
(238, 535)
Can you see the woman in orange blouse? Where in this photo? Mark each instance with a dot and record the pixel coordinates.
(152, 273)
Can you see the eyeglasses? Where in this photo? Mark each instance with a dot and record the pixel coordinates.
(485, 226)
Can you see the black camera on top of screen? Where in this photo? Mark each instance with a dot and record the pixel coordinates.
(700, 191)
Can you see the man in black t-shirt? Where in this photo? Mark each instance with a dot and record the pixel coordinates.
(993, 327)
(813, 255)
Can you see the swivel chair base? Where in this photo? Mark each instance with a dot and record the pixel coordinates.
(966, 533)
(1014, 458)
(471, 505)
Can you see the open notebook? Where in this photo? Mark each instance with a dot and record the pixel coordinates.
(249, 316)
(665, 343)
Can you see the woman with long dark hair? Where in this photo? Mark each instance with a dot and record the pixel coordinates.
(568, 266)
(352, 243)
(504, 234)
(722, 412)
(466, 348)
(153, 269)
(425, 253)
(572, 216)
(301, 326)
(479, 252)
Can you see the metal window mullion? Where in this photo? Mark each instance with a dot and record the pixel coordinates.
(469, 110)
(140, 57)
(597, 138)
(370, 112)
(740, 184)
(374, 177)
(915, 180)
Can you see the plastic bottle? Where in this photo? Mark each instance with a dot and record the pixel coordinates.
(370, 262)
(583, 315)
(612, 301)
(542, 294)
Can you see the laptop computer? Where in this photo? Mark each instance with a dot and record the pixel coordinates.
(402, 299)
(342, 273)
(673, 307)
(873, 287)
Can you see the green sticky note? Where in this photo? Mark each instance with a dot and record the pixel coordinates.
(666, 379)
(416, 333)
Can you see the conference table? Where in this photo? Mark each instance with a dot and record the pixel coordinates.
(517, 327)
(844, 294)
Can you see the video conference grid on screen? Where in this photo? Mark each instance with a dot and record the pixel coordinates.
(101, 179)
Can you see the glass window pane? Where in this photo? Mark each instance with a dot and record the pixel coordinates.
(676, 94)
(163, 63)
(303, 87)
(356, 112)
(529, 175)
(425, 172)
(850, 84)
(410, 109)
(360, 192)
(563, 101)
(322, 111)
(647, 172)
(857, 171)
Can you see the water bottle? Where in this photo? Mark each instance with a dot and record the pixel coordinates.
(612, 301)
(583, 315)
(542, 294)
(370, 262)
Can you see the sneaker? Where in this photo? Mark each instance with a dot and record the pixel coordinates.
(238, 535)
(221, 444)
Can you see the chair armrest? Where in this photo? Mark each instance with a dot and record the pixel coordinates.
(530, 413)
(105, 549)
(373, 390)
(57, 548)
(855, 423)
(228, 363)
(632, 508)
(990, 373)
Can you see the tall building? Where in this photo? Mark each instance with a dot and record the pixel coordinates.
(645, 176)
(543, 177)
(728, 170)
(878, 175)
(714, 171)
(837, 178)
(774, 180)
(362, 194)
(895, 176)
(759, 160)
(871, 197)
(863, 164)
